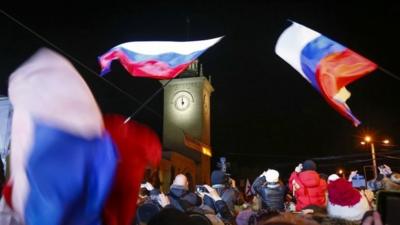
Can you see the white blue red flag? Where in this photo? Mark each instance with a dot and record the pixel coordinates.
(5, 127)
(62, 159)
(326, 64)
(155, 59)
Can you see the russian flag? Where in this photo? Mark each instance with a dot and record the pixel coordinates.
(155, 59)
(326, 64)
(138, 147)
(62, 160)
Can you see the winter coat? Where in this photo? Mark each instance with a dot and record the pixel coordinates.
(272, 195)
(229, 195)
(183, 199)
(217, 212)
(309, 189)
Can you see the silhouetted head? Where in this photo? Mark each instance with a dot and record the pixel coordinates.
(309, 165)
(181, 180)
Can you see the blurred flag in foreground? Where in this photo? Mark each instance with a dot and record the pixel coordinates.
(5, 127)
(62, 160)
(155, 59)
(138, 147)
(326, 64)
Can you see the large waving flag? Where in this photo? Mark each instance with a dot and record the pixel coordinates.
(155, 59)
(326, 64)
(62, 159)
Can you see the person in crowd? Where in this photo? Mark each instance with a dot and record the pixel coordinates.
(390, 180)
(148, 194)
(371, 218)
(173, 216)
(307, 186)
(226, 188)
(283, 218)
(369, 194)
(272, 191)
(243, 217)
(145, 212)
(214, 207)
(386, 180)
(144, 196)
(150, 202)
(261, 216)
(344, 201)
(180, 196)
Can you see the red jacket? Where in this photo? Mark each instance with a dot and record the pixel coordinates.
(311, 189)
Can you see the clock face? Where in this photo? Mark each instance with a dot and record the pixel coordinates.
(182, 100)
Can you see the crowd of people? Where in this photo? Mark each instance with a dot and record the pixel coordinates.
(76, 166)
(307, 198)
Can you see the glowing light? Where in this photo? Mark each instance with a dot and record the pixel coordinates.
(340, 171)
(206, 151)
(363, 142)
(386, 141)
(367, 138)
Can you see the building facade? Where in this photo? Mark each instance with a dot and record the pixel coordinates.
(186, 128)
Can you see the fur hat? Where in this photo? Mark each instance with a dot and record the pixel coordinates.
(272, 176)
(218, 177)
(309, 165)
(342, 193)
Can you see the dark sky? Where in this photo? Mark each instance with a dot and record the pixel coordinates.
(264, 114)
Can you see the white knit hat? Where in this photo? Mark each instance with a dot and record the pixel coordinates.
(272, 176)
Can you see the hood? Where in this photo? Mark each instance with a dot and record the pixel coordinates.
(310, 178)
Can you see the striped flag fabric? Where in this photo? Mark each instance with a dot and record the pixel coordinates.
(62, 159)
(327, 65)
(155, 59)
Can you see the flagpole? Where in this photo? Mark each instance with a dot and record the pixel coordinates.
(389, 73)
(147, 101)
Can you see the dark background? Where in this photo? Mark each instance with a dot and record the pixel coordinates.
(264, 114)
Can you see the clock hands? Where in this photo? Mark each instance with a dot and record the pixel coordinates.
(182, 101)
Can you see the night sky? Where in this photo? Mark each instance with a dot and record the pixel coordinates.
(264, 114)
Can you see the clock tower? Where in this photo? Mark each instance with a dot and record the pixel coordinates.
(186, 124)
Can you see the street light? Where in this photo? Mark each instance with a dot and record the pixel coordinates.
(368, 139)
(340, 172)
